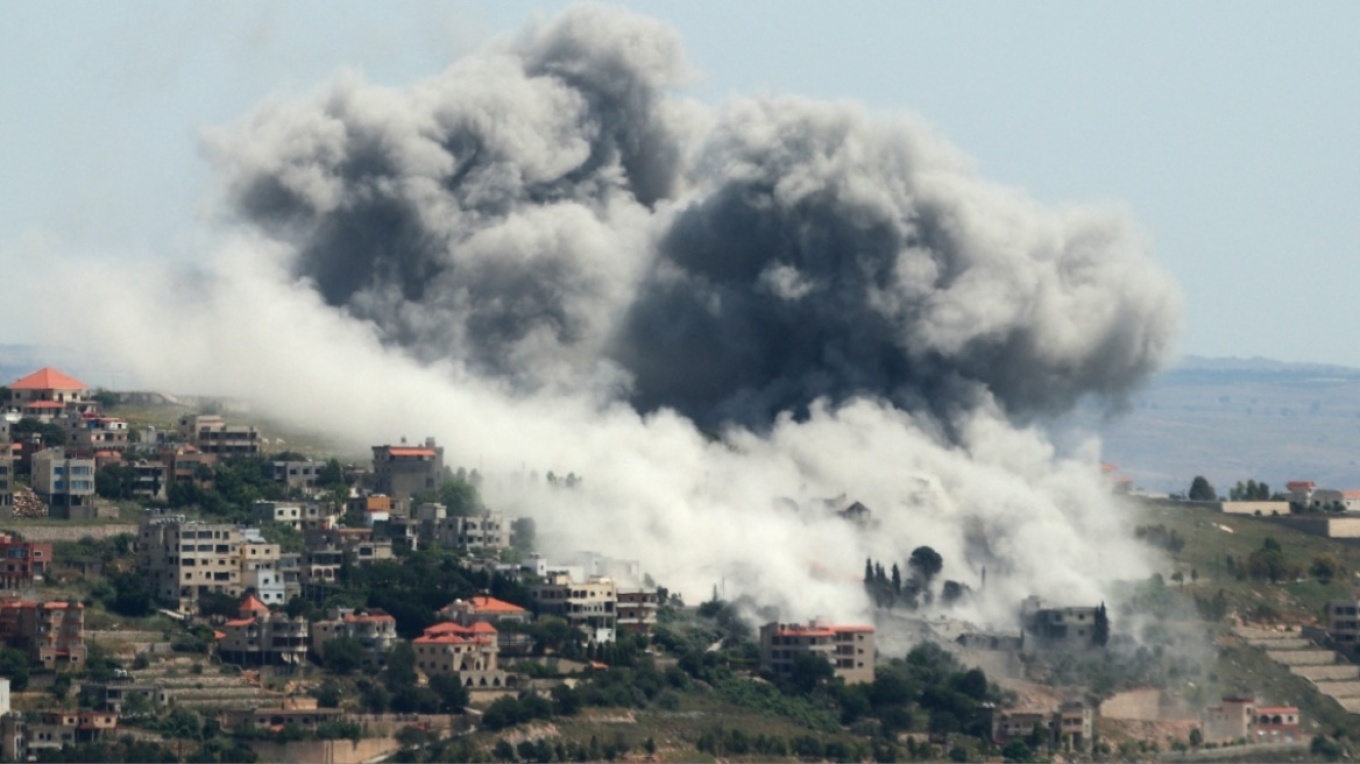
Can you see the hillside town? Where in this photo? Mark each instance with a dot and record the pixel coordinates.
(205, 597)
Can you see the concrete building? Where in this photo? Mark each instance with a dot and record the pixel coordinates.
(90, 432)
(184, 559)
(212, 434)
(263, 637)
(404, 471)
(1256, 508)
(470, 653)
(1242, 719)
(1300, 492)
(64, 483)
(589, 605)
(189, 465)
(301, 475)
(637, 610)
(53, 633)
(297, 516)
(148, 479)
(848, 648)
(260, 572)
(486, 531)
(6, 479)
(1058, 628)
(374, 629)
(22, 563)
(115, 694)
(1068, 728)
(1343, 621)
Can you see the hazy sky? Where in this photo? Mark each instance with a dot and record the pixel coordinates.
(1229, 130)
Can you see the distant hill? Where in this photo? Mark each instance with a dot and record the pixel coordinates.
(1232, 419)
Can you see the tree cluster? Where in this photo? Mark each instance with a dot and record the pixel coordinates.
(1250, 491)
(1160, 536)
(888, 590)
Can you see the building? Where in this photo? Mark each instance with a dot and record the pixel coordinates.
(6, 479)
(300, 475)
(470, 653)
(184, 559)
(212, 435)
(848, 648)
(506, 617)
(297, 516)
(375, 508)
(375, 630)
(1300, 492)
(1068, 728)
(486, 531)
(22, 563)
(260, 572)
(90, 432)
(1061, 628)
(50, 386)
(53, 633)
(1343, 623)
(1241, 719)
(637, 610)
(263, 637)
(589, 605)
(404, 471)
(115, 695)
(187, 465)
(64, 483)
(148, 480)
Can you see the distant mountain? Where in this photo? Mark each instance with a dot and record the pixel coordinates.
(1231, 419)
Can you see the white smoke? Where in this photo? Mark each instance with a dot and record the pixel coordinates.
(525, 255)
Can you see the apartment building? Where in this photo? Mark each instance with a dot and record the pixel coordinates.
(263, 637)
(590, 605)
(374, 629)
(485, 531)
(637, 610)
(184, 559)
(301, 475)
(297, 516)
(470, 653)
(90, 432)
(260, 572)
(213, 435)
(1067, 728)
(404, 471)
(848, 648)
(357, 543)
(64, 483)
(504, 616)
(6, 479)
(53, 633)
(189, 465)
(22, 563)
(1242, 718)
(1343, 621)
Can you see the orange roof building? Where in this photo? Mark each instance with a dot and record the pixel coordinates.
(471, 653)
(848, 648)
(48, 384)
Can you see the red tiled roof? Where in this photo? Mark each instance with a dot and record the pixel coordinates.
(438, 639)
(395, 451)
(1300, 485)
(239, 622)
(482, 627)
(804, 631)
(1351, 494)
(44, 405)
(489, 605)
(48, 378)
(375, 617)
(252, 605)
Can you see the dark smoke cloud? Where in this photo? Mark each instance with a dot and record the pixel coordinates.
(551, 214)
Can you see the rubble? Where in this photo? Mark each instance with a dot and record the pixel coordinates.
(28, 505)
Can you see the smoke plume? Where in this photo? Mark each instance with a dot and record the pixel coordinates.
(552, 259)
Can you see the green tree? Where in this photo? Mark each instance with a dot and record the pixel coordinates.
(401, 666)
(453, 696)
(926, 562)
(1326, 567)
(1201, 490)
(14, 664)
(1100, 630)
(523, 530)
(343, 655)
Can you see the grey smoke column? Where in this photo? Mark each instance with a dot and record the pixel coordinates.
(549, 214)
(832, 256)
